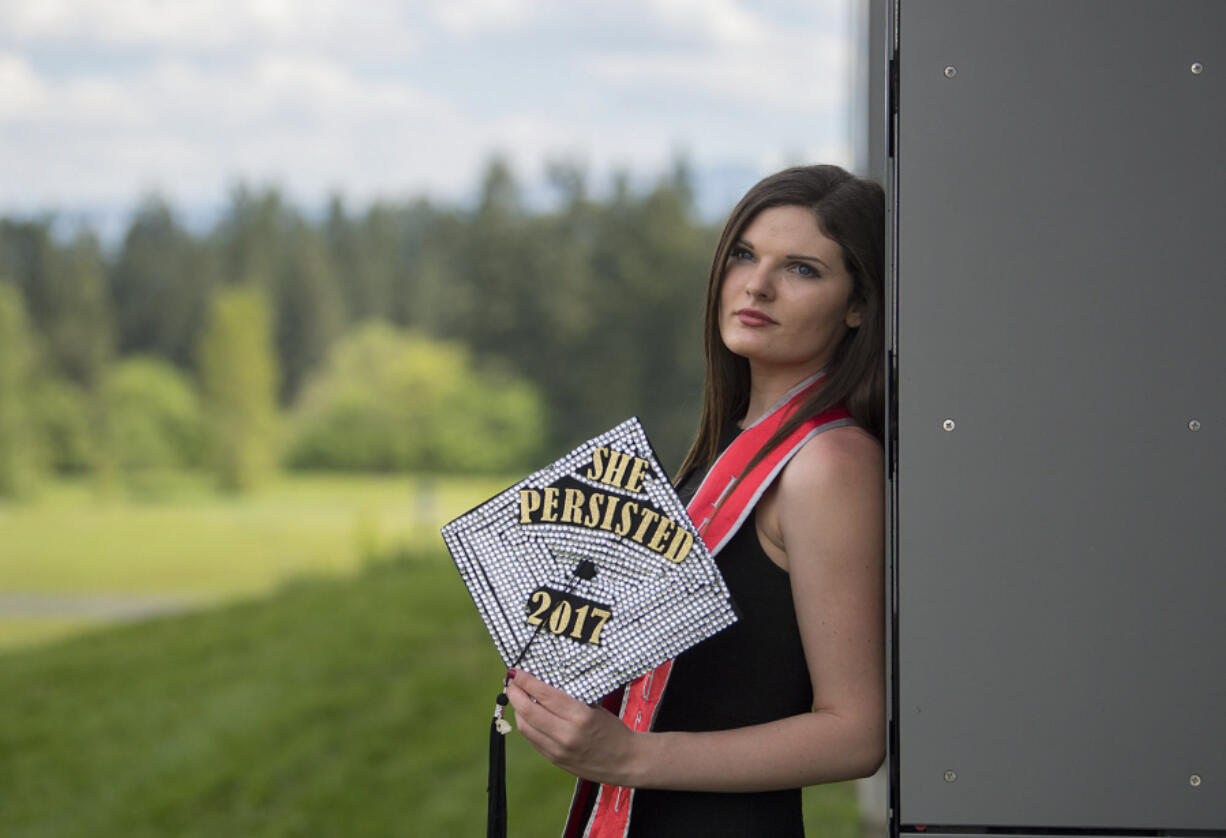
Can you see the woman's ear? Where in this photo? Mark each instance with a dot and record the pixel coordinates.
(854, 316)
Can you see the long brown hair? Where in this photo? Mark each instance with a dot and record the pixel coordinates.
(850, 211)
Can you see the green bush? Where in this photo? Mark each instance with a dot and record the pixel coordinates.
(66, 416)
(390, 400)
(152, 416)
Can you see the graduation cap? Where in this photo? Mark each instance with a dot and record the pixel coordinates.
(588, 574)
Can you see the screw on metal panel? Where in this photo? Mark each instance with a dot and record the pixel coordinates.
(1194, 781)
(948, 424)
(952, 71)
(1197, 68)
(1194, 425)
(951, 776)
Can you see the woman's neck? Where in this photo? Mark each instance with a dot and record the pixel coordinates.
(767, 387)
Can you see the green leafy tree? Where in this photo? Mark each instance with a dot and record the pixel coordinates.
(152, 416)
(19, 461)
(391, 400)
(66, 416)
(238, 380)
(597, 300)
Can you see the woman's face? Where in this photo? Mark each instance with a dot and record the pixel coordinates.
(785, 302)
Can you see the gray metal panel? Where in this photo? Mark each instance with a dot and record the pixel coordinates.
(929, 833)
(1061, 298)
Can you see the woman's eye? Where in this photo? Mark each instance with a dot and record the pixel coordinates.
(740, 254)
(807, 271)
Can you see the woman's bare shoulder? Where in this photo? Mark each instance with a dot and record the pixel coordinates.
(840, 458)
(831, 491)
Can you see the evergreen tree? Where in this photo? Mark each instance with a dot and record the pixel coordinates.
(364, 253)
(19, 461)
(250, 237)
(413, 242)
(64, 295)
(308, 309)
(596, 301)
(263, 242)
(160, 286)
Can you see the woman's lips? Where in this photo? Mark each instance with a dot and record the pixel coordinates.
(753, 318)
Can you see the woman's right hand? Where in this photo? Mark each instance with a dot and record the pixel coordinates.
(589, 742)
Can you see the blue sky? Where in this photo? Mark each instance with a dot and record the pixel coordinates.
(104, 101)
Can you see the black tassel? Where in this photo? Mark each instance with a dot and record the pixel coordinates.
(496, 814)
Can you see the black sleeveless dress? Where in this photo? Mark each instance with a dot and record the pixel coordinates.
(752, 672)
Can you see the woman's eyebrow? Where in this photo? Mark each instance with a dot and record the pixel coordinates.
(808, 259)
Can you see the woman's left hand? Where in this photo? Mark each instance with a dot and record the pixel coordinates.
(589, 742)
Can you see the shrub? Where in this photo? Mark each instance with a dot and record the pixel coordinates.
(152, 416)
(66, 417)
(390, 400)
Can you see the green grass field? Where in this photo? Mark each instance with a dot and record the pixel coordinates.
(301, 702)
(190, 543)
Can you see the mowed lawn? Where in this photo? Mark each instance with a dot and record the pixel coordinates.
(353, 701)
(74, 552)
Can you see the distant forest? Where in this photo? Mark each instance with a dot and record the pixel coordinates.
(568, 319)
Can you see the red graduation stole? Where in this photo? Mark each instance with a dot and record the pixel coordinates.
(720, 506)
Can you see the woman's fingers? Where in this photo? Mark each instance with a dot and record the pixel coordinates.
(587, 741)
(558, 704)
(539, 691)
(537, 714)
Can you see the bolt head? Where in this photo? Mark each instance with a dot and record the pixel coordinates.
(1194, 781)
(1197, 68)
(951, 776)
(952, 71)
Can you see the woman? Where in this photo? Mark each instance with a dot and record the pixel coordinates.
(793, 693)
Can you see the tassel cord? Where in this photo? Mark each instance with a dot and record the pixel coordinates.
(496, 812)
(496, 786)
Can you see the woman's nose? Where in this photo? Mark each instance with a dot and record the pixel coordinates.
(761, 282)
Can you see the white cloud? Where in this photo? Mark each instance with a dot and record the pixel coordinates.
(306, 120)
(22, 87)
(721, 21)
(127, 22)
(780, 78)
(766, 62)
(200, 26)
(468, 17)
(104, 99)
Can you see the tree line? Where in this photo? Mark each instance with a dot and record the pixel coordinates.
(405, 336)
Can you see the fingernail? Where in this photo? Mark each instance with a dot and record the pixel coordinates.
(511, 674)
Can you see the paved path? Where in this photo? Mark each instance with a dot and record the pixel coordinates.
(117, 607)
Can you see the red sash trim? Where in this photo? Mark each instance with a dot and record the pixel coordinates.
(723, 501)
